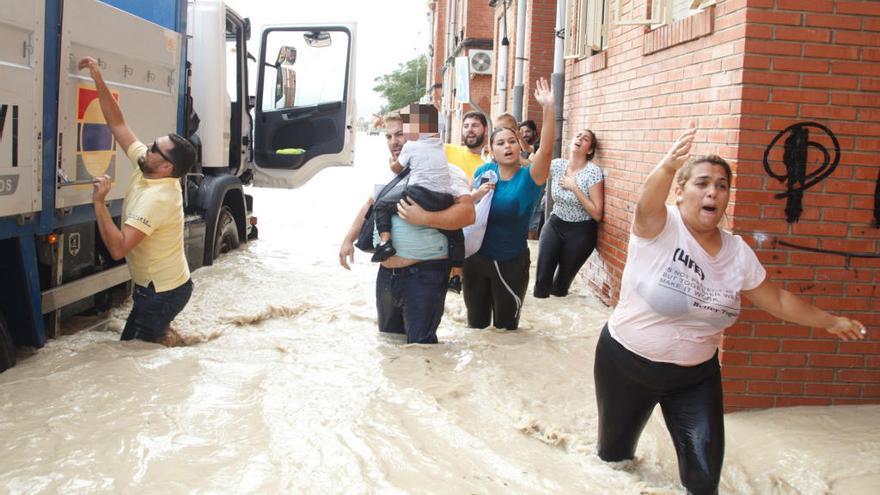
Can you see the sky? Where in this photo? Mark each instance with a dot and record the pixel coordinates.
(389, 32)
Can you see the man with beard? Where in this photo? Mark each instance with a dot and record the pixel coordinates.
(151, 237)
(411, 285)
(528, 136)
(469, 156)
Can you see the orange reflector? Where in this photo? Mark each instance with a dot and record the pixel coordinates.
(52, 238)
(253, 220)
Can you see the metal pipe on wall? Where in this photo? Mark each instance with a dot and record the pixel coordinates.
(518, 85)
(557, 80)
(502, 65)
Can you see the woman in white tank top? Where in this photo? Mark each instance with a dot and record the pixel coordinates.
(680, 289)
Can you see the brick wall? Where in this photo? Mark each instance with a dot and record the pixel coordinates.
(473, 22)
(438, 43)
(745, 70)
(816, 62)
(540, 41)
(539, 45)
(498, 26)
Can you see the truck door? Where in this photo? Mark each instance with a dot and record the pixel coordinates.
(304, 114)
(21, 103)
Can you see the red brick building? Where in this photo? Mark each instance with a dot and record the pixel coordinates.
(538, 51)
(758, 77)
(462, 28)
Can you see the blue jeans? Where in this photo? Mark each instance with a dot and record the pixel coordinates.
(153, 311)
(410, 300)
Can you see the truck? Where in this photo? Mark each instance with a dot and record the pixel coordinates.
(179, 66)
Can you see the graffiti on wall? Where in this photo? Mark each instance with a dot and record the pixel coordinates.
(796, 152)
(798, 147)
(877, 202)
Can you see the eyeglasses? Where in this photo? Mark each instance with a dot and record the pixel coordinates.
(154, 148)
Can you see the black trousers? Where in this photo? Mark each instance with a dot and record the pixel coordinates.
(628, 387)
(563, 249)
(430, 200)
(493, 291)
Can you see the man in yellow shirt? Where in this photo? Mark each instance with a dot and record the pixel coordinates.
(151, 237)
(469, 156)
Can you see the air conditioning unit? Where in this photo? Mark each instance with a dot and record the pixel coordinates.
(481, 61)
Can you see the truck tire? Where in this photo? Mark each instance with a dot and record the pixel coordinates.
(7, 346)
(226, 235)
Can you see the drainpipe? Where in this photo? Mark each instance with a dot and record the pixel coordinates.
(520, 60)
(429, 68)
(557, 80)
(449, 67)
(502, 65)
(557, 83)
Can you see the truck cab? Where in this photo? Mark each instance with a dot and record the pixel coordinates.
(184, 66)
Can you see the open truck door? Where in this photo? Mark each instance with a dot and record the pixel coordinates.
(304, 111)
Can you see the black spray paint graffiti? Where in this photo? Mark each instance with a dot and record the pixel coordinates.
(877, 202)
(797, 178)
(794, 156)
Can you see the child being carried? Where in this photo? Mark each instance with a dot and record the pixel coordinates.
(429, 184)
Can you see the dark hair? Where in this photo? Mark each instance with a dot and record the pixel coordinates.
(497, 130)
(182, 155)
(684, 173)
(530, 124)
(423, 114)
(476, 115)
(594, 144)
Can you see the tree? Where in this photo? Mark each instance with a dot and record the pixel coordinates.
(403, 86)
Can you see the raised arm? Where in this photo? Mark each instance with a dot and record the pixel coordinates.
(787, 306)
(540, 168)
(109, 105)
(650, 214)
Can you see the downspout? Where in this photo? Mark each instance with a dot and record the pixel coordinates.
(449, 68)
(502, 65)
(557, 83)
(557, 80)
(429, 67)
(520, 60)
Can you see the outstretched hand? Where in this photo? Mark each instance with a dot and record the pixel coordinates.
(848, 329)
(91, 64)
(543, 93)
(680, 151)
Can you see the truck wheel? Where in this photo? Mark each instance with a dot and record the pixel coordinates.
(7, 347)
(226, 236)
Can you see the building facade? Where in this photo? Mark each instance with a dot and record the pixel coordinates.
(789, 93)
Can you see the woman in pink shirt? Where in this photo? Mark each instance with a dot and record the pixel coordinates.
(680, 289)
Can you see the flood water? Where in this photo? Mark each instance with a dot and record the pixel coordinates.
(283, 385)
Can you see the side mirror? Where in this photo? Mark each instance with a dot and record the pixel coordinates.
(252, 101)
(318, 39)
(286, 55)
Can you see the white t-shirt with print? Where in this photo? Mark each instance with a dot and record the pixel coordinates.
(565, 203)
(676, 299)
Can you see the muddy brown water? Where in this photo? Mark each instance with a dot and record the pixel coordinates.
(282, 384)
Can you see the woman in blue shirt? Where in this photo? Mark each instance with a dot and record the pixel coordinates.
(496, 278)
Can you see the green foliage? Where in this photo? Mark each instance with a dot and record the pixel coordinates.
(403, 86)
